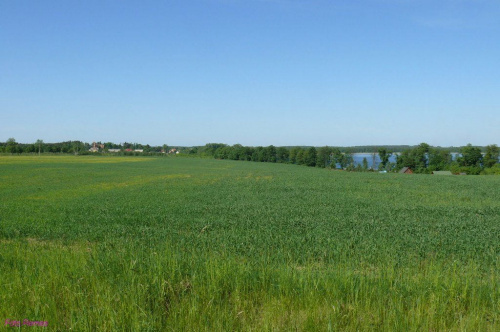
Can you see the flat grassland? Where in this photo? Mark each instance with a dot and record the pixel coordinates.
(152, 244)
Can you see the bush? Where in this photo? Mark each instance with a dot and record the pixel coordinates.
(495, 170)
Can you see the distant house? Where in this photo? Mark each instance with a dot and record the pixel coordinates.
(114, 150)
(442, 173)
(96, 147)
(138, 150)
(406, 170)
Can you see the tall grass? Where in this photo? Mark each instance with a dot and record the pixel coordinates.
(188, 244)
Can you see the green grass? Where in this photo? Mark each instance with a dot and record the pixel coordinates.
(154, 244)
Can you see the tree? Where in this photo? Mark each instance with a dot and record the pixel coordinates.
(222, 152)
(439, 159)
(346, 160)
(415, 158)
(235, 152)
(255, 155)
(405, 159)
(374, 159)
(384, 156)
(270, 153)
(260, 154)
(282, 154)
(337, 158)
(420, 154)
(30, 148)
(76, 147)
(491, 156)
(323, 156)
(39, 144)
(208, 149)
(311, 155)
(470, 156)
(293, 155)
(11, 146)
(245, 153)
(365, 165)
(300, 158)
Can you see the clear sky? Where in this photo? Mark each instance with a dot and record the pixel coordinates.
(254, 72)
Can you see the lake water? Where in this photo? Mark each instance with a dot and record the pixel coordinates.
(373, 159)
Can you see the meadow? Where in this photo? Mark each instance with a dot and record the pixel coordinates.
(92, 243)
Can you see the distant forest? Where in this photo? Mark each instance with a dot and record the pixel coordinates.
(422, 158)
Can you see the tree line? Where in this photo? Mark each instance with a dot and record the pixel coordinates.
(470, 159)
(422, 158)
(78, 147)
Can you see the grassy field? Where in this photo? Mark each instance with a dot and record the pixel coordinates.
(159, 244)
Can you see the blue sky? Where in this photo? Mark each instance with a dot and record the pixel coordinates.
(255, 72)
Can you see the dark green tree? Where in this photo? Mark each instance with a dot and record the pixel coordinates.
(246, 153)
(470, 156)
(271, 154)
(415, 158)
(365, 165)
(235, 152)
(282, 154)
(261, 153)
(293, 155)
(324, 155)
(301, 157)
(439, 159)
(255, 154)
(30, 148)
(384, 156)
(337, 158)
(311, 155)
(491, 156)
(209, 148)
(11, 146)
(421, 152)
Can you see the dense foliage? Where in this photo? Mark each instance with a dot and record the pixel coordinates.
(421, 159)
(470, 160)
(77, 147)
